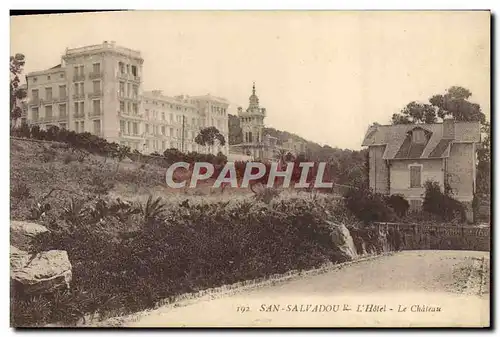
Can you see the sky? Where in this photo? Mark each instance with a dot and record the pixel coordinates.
(323, 75)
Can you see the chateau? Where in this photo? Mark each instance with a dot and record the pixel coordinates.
(99, 89)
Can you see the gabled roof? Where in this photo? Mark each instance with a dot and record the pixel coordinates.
(397, 140)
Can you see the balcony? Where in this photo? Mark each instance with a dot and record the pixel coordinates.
(95, 75)
(129, 135)
(95, 114)
(79, 115)
(78, 78)
(78, 97)
(35, 101)
(61, 98)
(129, 77)
(62, 117)
(95, 94)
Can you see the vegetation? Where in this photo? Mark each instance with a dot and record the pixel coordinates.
(442, 204)
(209, 137)
(454, 102)
(16, 93)
(174, 249)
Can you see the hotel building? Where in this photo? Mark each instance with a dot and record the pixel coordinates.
(98, 89)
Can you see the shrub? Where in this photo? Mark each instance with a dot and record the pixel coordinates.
(368, 206)
(185, 248)
(48, 155)
(441, 204)
(21, 190)
(399, 204)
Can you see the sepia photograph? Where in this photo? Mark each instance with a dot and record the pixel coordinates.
(250, 169)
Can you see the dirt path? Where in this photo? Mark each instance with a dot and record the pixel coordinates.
(413, 288)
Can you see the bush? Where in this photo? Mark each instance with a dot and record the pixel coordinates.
(368, 206)
(177, 250)
(443, 205)
(399, 204)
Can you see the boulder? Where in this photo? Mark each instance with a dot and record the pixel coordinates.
(343, 240)
(41, 272)
(22, 234)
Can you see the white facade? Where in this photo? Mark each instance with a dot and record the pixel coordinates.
(98, 89)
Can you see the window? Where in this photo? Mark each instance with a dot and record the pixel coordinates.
(129, 107)
(82, 107)
(48, 111)
(128, 127)
(62, 91)
(96, 105)
(171, 118)
(163, 145)
(147, 113)
(97, 126)
(134, 70)
(418, 136)
(35, 79)
(48, 77)
(135, 89)
(163, 130)
(122, 89)
(96, 67)
(135, 109)
(147, 128)
(34, 112)
(62, 110)
(415, 205)
(122, 106)
(163, 116)
(34, 93)
(62, 125)
(122, 126)
(79, 89)
(96, 86)
(82, 126)
(62, 75)
(48, 94)
(171, 132)
(415, 176)
(76, 127)
(128, 69)
(76, 107)
(121, 67)
(135, 128)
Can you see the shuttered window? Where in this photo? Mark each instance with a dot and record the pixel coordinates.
(415, 176)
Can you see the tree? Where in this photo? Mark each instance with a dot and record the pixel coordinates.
(16, 93)
(415, 113)
(210, 136)
(483, 177)
(454, 102)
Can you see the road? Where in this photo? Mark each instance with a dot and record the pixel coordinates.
(406, 289)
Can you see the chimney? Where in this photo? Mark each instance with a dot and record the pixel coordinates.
(448, 128)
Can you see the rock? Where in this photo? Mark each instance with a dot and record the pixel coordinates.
(18, 258)
(22, 234)
(41, 272)
(343, 240)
